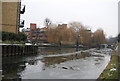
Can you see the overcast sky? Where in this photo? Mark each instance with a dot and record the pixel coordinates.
(93, 13)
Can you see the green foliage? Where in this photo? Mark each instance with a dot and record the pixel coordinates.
(8, 36)
(22, 36)
(13, 42)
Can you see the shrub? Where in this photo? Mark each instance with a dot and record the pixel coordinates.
(8, 36)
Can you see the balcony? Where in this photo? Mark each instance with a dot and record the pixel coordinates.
(22, 11)
(21, 25)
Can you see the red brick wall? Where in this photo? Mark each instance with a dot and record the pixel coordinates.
(32, 26)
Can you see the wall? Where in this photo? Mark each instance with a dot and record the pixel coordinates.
(10, 16)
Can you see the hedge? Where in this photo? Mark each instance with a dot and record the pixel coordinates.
(8, 36)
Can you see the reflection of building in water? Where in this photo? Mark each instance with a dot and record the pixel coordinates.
(11, 16)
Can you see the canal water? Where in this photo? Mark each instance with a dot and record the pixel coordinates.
(57, 63)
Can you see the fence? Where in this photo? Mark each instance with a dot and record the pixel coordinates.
(12, 50)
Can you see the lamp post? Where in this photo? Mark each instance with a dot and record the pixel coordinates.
(77, 42)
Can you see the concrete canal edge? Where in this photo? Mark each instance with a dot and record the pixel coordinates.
(13, 50)
(108, 73)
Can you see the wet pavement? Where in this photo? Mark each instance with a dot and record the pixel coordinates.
(57, 64)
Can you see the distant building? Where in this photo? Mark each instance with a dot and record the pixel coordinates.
(112, 40)
(36, 34)
(62, 26)
(27, 32)
(11, 16)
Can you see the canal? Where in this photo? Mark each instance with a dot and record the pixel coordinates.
(57, 63)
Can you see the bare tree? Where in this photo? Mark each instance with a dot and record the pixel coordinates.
(76, 27)
(59, 35)
(85, 36)
(99, 37)
(47, 22)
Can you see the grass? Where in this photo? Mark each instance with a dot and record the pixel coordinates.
(112, 69)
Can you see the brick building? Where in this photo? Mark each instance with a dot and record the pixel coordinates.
(62, 26)
(36, 34)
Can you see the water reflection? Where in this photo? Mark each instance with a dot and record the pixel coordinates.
(13, 66)
(12, 70)
(52, 50)
(31, 66)
(59, 59)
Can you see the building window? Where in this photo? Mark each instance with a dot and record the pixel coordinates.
(33, 36)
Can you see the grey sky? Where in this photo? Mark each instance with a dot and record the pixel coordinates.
(93, 13)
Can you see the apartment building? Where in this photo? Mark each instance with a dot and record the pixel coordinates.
(36, 34)
(11, 16)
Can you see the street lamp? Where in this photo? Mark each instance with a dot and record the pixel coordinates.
(77, 43)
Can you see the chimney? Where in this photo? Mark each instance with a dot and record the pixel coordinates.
(32, 26)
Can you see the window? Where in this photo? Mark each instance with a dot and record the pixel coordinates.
(42, 36)
(33, 36)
